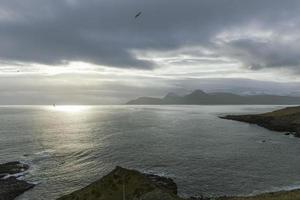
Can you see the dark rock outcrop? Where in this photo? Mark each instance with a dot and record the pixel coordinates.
(12, 168)
(10, 186)
(163, 182)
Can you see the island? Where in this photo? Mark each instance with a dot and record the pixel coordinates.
(10, 185)
(199, 97)
(284, 120)
(128, 184)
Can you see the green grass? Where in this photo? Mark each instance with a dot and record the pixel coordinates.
(285, 195)
(284, 112)
(139, 187)
(110, 187)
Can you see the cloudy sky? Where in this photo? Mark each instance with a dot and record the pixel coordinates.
(96, 52)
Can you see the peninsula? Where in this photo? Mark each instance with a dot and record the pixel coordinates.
(283, 120)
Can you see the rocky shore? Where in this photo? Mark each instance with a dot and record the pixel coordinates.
(10, 185)
(285, 120)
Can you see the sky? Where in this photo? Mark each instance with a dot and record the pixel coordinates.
(97, 52)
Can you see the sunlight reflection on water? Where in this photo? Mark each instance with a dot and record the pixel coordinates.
(69, 147)
(69, 108)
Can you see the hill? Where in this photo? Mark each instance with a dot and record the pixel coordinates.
(128, 184)
(198, 97)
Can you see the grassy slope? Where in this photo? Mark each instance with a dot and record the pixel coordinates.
(284, 112)
(286, 195)
(110, 187)
(138, 187)
(287, 119)
(290, 113)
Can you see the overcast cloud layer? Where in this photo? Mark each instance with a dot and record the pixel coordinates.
(256, 33)
(175, 40)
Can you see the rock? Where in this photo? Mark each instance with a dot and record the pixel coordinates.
(11, 187)
(287, 133)
(12, 168)
(297, 132)
(163, 182)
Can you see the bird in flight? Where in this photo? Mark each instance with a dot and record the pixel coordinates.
(137, 15)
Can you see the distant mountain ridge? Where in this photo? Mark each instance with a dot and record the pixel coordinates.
(199, 97)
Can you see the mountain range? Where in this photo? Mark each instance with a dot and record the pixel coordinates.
(199, 97)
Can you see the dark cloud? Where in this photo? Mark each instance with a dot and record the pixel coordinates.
(104, 32)
(264, 54)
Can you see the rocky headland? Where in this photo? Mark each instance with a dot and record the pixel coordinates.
(285, 120)
(10, 185)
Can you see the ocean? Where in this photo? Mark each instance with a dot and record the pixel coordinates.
(69, 147)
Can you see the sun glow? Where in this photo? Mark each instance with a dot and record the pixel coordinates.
(69, 108)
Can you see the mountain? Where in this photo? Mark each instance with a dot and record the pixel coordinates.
(199, 97)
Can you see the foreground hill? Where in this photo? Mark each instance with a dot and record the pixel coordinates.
(128, 184)
(284, 120)
(199, 97)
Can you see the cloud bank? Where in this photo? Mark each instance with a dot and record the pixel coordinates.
(257, 34)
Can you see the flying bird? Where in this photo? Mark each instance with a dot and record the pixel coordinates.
(137, 15)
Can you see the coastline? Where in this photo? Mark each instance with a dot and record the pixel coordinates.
(132, 184)
(138, 185)
(277, 191)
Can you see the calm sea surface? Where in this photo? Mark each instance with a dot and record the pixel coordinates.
(69, 147)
